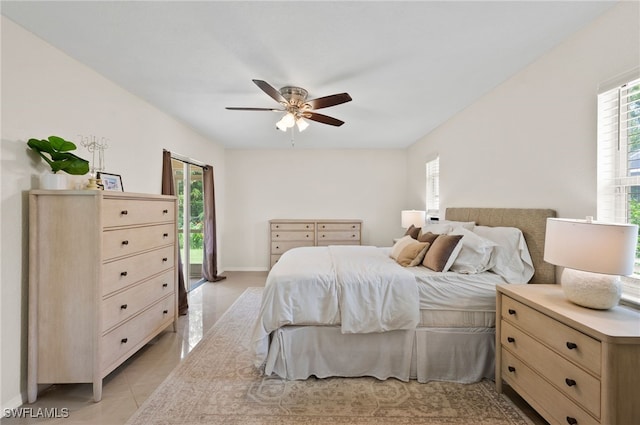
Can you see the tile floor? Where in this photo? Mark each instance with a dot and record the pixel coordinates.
(127, 387)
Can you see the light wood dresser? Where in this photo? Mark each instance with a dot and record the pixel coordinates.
(572, 364)
(102, 281)
(288, 234)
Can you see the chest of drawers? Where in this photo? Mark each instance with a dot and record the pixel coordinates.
(572, 364)
(102, 282)
(288, 234)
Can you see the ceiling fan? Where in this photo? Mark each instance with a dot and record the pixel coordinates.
(294, 103)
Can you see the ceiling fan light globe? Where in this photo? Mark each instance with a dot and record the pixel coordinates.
(302, 124)
(288, 120)
(280, 125)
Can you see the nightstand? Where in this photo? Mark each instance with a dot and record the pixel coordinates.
(572, 364)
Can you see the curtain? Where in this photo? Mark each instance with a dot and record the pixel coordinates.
(168, 188)
(210, 251)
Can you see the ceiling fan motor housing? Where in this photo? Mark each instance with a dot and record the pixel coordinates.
(296, 96)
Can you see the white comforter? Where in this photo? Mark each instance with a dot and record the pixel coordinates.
(358, 287)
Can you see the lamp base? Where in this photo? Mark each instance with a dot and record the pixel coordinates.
(592, 290)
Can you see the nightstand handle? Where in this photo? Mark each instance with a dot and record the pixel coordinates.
(570, 382)
(572, 345)
(572, 421)
(512, 311)
(511, 369)
(511, 339)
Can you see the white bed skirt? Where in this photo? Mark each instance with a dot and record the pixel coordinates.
(463, 355)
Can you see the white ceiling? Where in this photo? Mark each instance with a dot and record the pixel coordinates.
(408, 66)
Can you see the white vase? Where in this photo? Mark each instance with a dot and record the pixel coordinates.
(51, 181)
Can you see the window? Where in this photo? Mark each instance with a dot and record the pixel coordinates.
(619, 166)
(433, 187)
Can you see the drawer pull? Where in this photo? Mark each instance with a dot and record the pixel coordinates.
(307, 235)
(123, 273)
(277, 247)
(277, 236)
(124, 340)
(277, 226)
(124, 212)
(164, 285)
(570, 382)
(165, 311)
(511, 311)
(353, 227)
(165, 235)
(323, 236)
(511, 369)
(511, 339)
(353, 236)
(123, 307)
(572, 421)
(165, 211)
(125, 242)
(307, 226)
(165, 259)
(572, 345)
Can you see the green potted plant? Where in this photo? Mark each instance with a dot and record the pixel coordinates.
(56, 151)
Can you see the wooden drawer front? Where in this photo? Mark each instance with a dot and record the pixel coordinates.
(338, 236)
(127, 212)
(354, 227)
(122, 273)
(124, 340)
(574, 345)
(574, 382)
(292, 226)
(292, 236)
(274, 259)
(282, 247)
(121, 306)
(543, 396)
(118, 243)
(327, 243)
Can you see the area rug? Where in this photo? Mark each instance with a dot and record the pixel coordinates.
(218, 384)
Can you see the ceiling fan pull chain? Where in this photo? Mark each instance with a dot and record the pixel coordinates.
(293, 142)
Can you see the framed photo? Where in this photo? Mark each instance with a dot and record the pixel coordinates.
(111, 181)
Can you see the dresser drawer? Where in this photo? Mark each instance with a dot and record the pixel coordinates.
(119, 274)
(123, 305)
(127, 212)
(572, 381)
(292, 236)
(119, 243)
(292, 226)
(339, 226)
(128, 337)
(574, 345)
(541, 394)
(339, 236)
(284, 246)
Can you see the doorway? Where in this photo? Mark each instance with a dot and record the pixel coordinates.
(188, 183)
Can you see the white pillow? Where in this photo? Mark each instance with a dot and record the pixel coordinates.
(475, 254)
(400, 245)
(511, 256)
(444, 227)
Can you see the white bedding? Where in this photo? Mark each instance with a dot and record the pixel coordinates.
(303, 288)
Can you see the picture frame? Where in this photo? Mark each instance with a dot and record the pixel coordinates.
(111, 181)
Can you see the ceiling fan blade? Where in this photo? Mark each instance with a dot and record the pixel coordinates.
(234, 108)
(326, 101)
(271, 91)
(324, 119)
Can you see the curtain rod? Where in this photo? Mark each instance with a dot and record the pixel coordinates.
(186, 159)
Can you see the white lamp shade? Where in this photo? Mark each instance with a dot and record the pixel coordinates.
(409, 217)
(606, 248)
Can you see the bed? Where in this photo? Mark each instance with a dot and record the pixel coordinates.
(318, 319)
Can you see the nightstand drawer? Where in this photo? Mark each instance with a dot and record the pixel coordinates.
(574, 345)
(571, 380)
(542, 395)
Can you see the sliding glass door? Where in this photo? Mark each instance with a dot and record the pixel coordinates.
(188, 184)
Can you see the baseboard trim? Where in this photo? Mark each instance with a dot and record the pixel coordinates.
(14, 403)
(246, 269)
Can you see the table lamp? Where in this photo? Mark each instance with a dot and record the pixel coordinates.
(593, 255)
(409, 217)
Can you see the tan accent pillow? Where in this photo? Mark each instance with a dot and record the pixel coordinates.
(412, 254)
(427, 237)
(413, 231)
(442, 252)
(399, 246)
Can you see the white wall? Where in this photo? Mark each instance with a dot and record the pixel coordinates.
(296, 183)
(45, 92)
(531, 142)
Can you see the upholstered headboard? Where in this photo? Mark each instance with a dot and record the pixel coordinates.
(532, 222)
